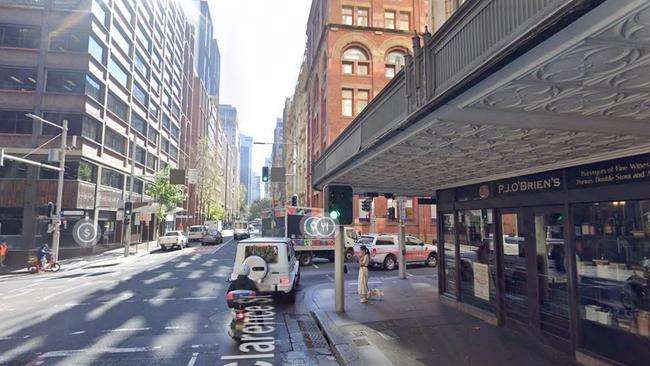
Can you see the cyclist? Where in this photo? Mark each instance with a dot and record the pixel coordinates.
(43, 254)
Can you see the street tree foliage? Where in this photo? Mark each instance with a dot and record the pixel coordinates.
(258, 206)
(243, 200)
(209, 177)
(169, 196)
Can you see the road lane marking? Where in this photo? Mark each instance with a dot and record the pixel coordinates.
(68, 353)
(78, 333)
(200, 298)
(64, 291)
(162, 299)
(248, 356)
(7, 338)
(315, 266)
(25, 292)
(410, 275)
(173, 328)
(355, 283)
(125, 330)
(193, 359)
(330, 278)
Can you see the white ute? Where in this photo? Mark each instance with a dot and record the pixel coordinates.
(172, 239)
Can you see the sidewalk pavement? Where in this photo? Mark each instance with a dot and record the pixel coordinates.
(410, 326)
(104, 259)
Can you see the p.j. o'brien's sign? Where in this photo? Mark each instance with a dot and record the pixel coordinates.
(626, 170)
(549, 181)
(529, 184)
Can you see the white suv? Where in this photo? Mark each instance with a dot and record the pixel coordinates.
(384, 250)
(273, 263)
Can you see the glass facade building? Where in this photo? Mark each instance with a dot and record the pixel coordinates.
(118, 71)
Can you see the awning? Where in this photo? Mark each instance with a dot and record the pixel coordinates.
(501, 92)
(150, 207)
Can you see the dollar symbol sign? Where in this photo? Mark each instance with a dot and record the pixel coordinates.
(87, 233)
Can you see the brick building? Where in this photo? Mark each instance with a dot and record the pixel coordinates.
(354, 49)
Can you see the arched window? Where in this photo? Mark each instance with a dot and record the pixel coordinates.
(394, 62)
(355, 61)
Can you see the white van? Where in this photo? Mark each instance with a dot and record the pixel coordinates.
(273, 263)
(196, 233)
(242, 230)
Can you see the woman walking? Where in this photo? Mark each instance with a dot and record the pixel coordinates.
(363, 274)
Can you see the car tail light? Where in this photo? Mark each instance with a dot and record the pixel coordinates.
(230, 296)
(374, 252)
(284, 280)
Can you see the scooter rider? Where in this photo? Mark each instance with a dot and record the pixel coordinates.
(243, 282)
(43, 254)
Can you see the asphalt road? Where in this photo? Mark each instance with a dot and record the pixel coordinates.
(166, 308)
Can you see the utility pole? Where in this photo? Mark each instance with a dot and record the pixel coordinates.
(56, 236)
(127, 244)
(402, 238)
(339, 269)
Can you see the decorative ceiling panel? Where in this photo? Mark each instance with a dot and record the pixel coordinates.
(460, 152)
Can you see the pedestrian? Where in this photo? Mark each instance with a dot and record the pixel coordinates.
(364, 260)
(3, 253)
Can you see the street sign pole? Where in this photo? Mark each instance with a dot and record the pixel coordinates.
(56, 236)
(339, 268)
(402, 239)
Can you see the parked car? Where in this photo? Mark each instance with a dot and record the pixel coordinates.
(273, 263)
(241, 231)
(213, 237)
(384, 250)
(196, 233)
(172, 239)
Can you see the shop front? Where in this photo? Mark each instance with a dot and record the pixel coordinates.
(564, 255)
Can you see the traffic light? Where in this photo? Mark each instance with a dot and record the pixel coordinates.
(294, 200)
(366, 205)
(265, 174)
(50, 209)
(128, 208)
(338, 204)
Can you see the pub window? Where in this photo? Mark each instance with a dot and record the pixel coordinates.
(478, 281)
(612, 241)
(449, 256)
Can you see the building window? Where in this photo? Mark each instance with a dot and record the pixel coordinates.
(139, 124)
(65, 82)
(75, 121)
(154, 111)
(140, 95)
(124, 10)
(362, 17)
(19, 36)
(120, 38)
(15, 122)
(142, 37)
(346, 14)
(96, 50)
(94, 89)
(153, 136)
(97, 9)
(17, 79)
(13, 170)
(111, 178)
(141, 65)
(90, 129)
(152, 162)
(404, 21)
(394, 63)
(173, 152)
(68, 41)
(119, 73)
(346, 101)
(87, 172)
(389, 19)
(166, 122)
(71, 4)
(362, 99)
(140, 154)
(114, 141)
(176, 132)
(117, 107)
(354, 58)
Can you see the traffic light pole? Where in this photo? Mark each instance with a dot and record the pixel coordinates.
(401, 239)
(339, 269)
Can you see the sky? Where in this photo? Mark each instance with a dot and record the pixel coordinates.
(262, 43)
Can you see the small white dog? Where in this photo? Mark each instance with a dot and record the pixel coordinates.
(376, 294)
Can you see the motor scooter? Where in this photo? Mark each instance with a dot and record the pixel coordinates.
(238, 300)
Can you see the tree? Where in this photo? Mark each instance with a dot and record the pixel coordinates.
(258, 206)
(209, 182)
(167, 195)
(243, 200)
(216, 212)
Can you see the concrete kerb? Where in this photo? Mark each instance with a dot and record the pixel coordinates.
(340, 344)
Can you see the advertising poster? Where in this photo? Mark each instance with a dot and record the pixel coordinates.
(481, 281)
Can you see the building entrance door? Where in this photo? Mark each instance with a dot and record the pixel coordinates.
(513, 247)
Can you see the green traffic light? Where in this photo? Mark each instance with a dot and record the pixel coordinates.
(334, 215)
